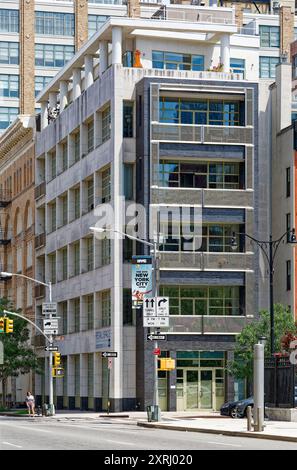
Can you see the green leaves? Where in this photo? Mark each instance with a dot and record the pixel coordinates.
(242, 366)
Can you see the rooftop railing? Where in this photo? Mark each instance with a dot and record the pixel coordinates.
(193, 15)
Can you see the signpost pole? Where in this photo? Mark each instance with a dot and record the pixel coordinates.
(50, 360)
(156, 392)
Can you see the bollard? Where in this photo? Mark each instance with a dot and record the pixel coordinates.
(249, 418)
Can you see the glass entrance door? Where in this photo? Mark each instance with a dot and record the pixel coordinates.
(192, 389)
(198, 389)
(206, 389)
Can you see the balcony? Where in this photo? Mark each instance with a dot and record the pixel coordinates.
(39, 241)
(40, 190)
(5, 198)
(239, 135)
(207, 324)
(39, 291)
(207, 261)
(195, 14)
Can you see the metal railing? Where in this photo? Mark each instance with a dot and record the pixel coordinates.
(194, 15)
(40, 190)
(39, 241)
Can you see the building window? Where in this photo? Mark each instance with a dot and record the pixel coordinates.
(95, 22)
(76, 315)
(76, 260)
(9, 86)
(107, 2)
(90, 375)
(9, 53)
(106, 308)
(237, 66)
(53, 165)
(208, 112)
(219, 301)
(177, 61)
(64, 156)
(53, 217)
(127, 119)
(90, 311)
(127, 250)
(105, 185)
(29, 254)
(63, 313)
(55, 24)
(90, 254)
(7, 116)
(269, 36)
(76, 203)
(76, 147)
(64, 256)
(64, 210)
(288, 182)
(209, 238)
(40, 83)
(288, 227)
(19, 259)
(9, 21)
(90, 132)
(288, 270)
(52, 55)
(105, 251)
(267, 66)
(127, 307)
(106, 119)
(128, 181)
(180, 174)
(90, 195)
(52, 268)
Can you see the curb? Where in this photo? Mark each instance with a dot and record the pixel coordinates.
(223, 432)
(15, 415)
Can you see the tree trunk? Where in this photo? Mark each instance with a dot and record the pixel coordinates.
(4, 393)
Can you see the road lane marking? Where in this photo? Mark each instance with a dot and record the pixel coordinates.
(120, 442)
(32, 428)
(10, 444)
(223, 444)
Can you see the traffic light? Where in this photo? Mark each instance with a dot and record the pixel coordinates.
(1, 325)
(9, 326)
(57, 359)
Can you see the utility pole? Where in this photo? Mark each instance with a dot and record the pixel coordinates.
(156, 292)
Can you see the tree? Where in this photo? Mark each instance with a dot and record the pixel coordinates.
(285, 328)
(19, 357)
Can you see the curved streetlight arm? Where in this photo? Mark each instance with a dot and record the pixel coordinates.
(25, 277)
(29, 321)
(140, 240)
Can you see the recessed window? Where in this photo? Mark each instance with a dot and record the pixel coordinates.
(267, 66)
(177, 61)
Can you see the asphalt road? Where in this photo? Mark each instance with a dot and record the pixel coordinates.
(48, 434)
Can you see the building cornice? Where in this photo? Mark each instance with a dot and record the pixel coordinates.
(21, 127)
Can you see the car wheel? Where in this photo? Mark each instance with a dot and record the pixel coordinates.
(233, 413)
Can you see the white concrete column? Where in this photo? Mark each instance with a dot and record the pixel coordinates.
(89, 70)
(52, 99)
(44, 122)
(83, 375)
(116, 45)
(63, 94)
(103, 49)
(225, 52)
(76, 83)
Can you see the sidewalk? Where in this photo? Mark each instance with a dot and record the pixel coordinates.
(274, 430)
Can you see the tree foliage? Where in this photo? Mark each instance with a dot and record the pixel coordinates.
(285, 329)
(19, 357)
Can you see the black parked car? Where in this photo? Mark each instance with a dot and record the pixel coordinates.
(236, 409)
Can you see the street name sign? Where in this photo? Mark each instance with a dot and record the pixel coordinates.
(156, 337)
(109, 354)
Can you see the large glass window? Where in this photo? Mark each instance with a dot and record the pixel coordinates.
(9, 53)
(208, 238)
(40, 83)
(177, 61)
(53, 23)
(200, 300)
(106, 308)
(204, 111)
(95, 22)
(90, 133)
(267, 66)
(105, 185)
(127, 119)
(52, 55)
(9, 21)
(107, 2)
(9, 86)
(7, 116)
(221, 175)
(269, 36)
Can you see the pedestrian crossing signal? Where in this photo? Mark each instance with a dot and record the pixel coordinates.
(58, 372)
(9, 326)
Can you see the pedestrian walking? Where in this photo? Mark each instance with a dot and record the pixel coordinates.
(30, 402)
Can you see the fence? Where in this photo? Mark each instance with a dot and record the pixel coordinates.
(279, 382)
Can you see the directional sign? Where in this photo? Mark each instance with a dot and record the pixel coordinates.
(149, 308)
(109, 354)
(51, 348)
(156, 337)
(155, 322)
(49, 308)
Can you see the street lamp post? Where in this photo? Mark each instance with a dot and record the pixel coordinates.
(50, 338)
(154, 246)
(269, 249)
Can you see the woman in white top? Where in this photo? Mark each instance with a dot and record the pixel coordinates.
(30, 402)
